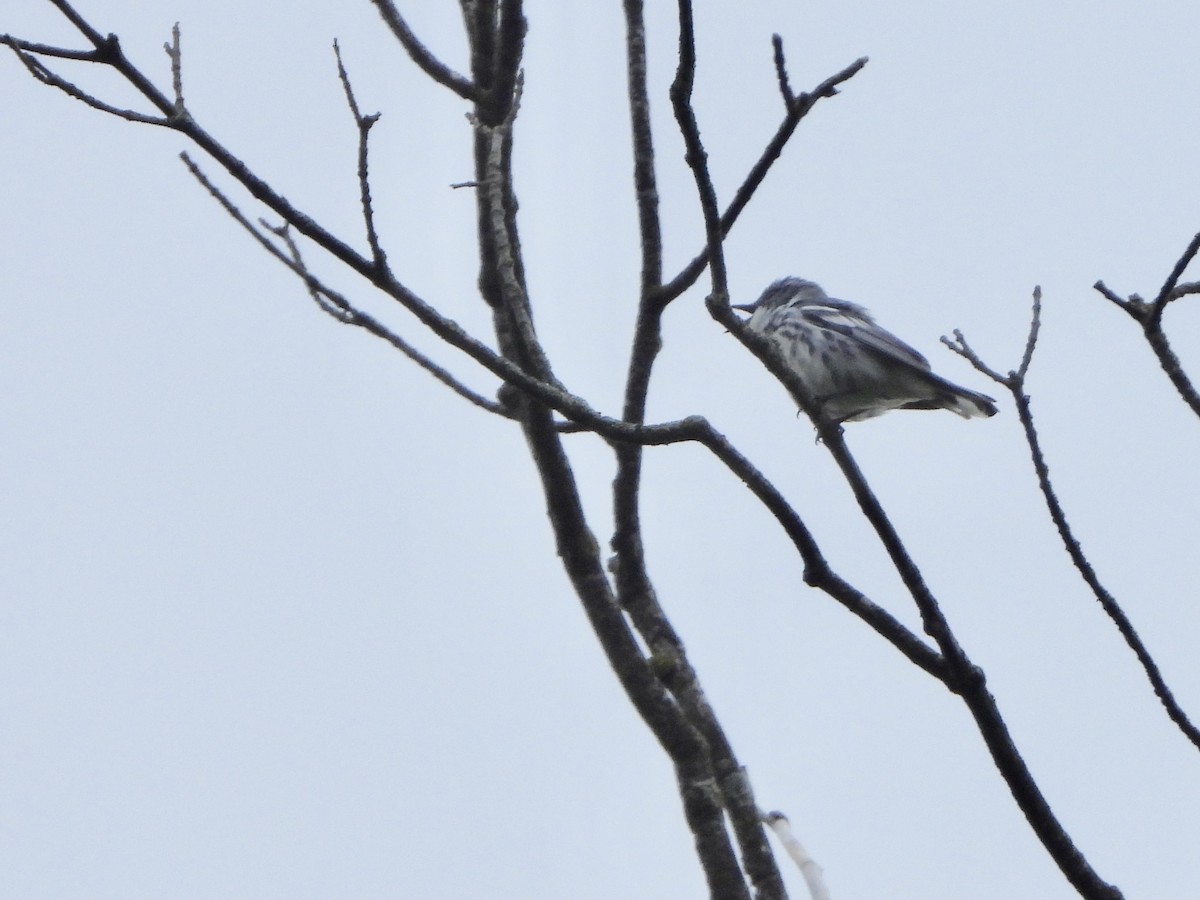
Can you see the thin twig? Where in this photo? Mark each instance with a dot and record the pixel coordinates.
(47, 49)
(959, 346)
(363, 123)
(175, 54)
(1107, 601)
(1035, 326)
(1111, 295)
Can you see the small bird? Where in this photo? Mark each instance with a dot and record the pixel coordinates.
(853, 369)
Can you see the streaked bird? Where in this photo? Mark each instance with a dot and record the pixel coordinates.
(853, 369)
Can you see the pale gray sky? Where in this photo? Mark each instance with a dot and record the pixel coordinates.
(281, 615)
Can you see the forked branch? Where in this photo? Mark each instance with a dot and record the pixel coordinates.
(1149, 316)
(799, 108)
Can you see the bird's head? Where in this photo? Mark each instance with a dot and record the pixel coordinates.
(786, 290)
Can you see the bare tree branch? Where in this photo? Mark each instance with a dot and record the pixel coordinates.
(696, 156)
(1035, 327)
(417, 52)
(647, 335)
(743, 810)
(817, 572)
(1015, 383)
(1113, 297)
(1157, 339)
(686, 748)
(634, 589)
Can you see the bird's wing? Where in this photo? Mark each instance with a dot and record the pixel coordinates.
(854, 322)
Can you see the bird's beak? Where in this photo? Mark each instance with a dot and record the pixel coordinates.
(745, 307)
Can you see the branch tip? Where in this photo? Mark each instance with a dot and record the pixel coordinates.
(785, 88)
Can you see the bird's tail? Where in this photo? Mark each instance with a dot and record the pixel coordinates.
(969, 404)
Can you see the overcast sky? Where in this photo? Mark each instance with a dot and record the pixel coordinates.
(281, 616)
